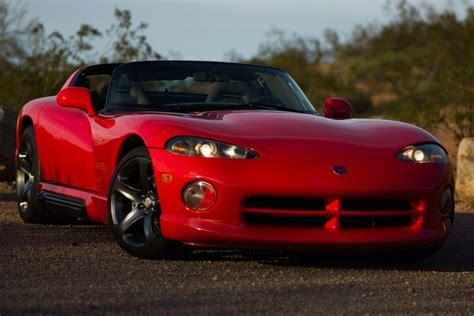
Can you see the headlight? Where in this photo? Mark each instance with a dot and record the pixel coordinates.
(201, 147)
(424, 153)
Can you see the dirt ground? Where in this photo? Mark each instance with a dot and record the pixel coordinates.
(78, 269)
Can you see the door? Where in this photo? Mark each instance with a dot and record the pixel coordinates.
(66, 147)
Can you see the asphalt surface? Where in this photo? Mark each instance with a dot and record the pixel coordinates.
(78, 269)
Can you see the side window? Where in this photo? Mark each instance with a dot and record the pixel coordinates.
(96, 81)
(96, 78)
(98, 85)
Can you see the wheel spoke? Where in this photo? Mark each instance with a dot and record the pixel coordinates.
(25, 167)
(133, 202)
(26, 190)
(130, 193)
(131, 219)
(148, 226)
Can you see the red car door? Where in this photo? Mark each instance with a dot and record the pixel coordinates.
(66, 147)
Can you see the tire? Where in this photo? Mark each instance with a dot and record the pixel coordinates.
(134, 210)
(27, 179)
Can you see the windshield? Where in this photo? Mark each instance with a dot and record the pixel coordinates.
(179, 86)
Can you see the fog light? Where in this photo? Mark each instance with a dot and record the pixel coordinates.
(199, 195)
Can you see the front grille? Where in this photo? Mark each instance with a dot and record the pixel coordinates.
(348, 222)
(281, 220)
(375, 205)
(285, 203)
(317, 212)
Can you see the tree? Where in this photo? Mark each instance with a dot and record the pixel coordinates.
(413, 68)
(406, 59)
(309, 61)
(128, 43)
(35, 64)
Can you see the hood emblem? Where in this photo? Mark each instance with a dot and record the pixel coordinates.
(339, 170)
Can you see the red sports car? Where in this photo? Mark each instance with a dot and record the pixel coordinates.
(228, 155)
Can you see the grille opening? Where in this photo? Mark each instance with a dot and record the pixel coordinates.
(348, 222)
(375, 205)
(278, 220)
(285, 203)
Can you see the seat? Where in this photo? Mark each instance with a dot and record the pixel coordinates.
(232, 91)
(137, 92)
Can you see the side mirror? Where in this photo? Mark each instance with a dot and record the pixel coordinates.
(337, 108)
(77, 98)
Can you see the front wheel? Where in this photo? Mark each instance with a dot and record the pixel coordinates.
(134, 208)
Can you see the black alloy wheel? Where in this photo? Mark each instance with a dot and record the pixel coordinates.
(134, 207)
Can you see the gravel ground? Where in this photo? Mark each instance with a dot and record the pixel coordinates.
(77, 269)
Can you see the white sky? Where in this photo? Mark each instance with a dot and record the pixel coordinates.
(207, 30)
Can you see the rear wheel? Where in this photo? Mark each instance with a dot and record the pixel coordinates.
(134, 207)
(27, 179)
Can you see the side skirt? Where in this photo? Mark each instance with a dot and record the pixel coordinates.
(64, 206)
(75, 202)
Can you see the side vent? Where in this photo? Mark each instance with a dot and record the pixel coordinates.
(63, 206)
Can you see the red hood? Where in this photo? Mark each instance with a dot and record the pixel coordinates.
(282, 133)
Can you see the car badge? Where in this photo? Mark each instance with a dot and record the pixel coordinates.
(339, 170)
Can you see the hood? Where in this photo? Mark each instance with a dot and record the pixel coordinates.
(283, 133)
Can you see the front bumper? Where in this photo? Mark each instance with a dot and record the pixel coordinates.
(224, 224)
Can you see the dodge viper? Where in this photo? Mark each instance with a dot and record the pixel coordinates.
(215, 154)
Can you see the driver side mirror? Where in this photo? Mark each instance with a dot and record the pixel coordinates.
(337, 108)
(77, 98)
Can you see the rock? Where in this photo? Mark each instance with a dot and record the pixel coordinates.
(7, 144)
(465, 171)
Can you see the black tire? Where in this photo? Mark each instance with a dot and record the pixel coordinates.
(27, 179)
(134, 210)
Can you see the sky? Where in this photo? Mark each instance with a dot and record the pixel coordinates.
(209, 30)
